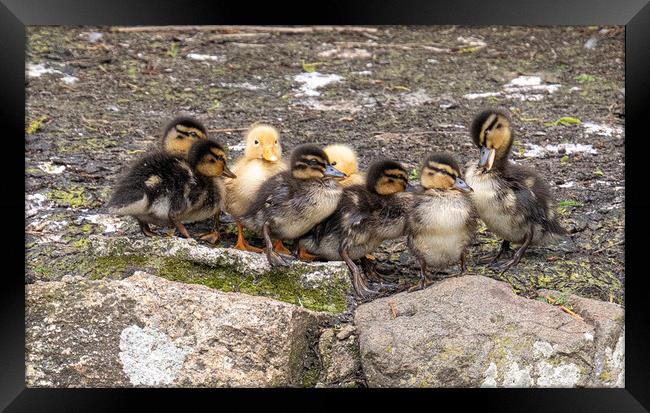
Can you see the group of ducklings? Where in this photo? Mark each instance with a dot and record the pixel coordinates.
(321, 202)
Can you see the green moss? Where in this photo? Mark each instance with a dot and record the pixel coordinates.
(311, 376)
(281, 285)
(111, 265)
(74, 197)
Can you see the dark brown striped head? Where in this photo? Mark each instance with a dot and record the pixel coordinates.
(440, 171)
(208, 158)
(179, 135)
(492, 134)
(386, 177)
(311, 162)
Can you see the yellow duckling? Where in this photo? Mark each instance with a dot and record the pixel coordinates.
(343, 158)
(261, 160)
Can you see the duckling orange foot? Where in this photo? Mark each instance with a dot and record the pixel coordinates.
(212, 237)
(241, 244)
(304, 255)
(279, 247)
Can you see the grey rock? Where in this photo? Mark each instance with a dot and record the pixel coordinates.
(147, 331)
(340, 360)
(474, 331)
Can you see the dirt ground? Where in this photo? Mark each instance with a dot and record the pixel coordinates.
(97, 98)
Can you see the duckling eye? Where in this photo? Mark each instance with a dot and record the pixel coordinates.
(257, 142)
(499, 126)
(276, 142)
(334, 163)
(430, 173)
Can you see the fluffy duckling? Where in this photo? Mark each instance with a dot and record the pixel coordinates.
(366, 216)
(443, 220)
(343, 158)
(180, 133)
(290, 203)
(164, 189)
(261, 160)
(512, 200)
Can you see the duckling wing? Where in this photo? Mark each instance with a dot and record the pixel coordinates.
(149, 178)
(534, 197)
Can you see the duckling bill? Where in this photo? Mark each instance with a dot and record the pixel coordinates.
(443, 220)
(345, 160)
(167, 190)
(366, 216)
(292, 202)
(514, 201)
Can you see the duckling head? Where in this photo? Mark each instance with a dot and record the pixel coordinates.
(440, 171)
(386, 177)
(208, 157)
(492, 134)
(263, 142)
(311, 162)
(343, 158)
(181, 133)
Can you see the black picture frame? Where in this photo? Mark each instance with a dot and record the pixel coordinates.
(634, 14)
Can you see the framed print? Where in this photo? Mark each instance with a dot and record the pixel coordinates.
(427, 197)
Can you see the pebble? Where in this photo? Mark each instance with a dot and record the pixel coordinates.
(346, 332)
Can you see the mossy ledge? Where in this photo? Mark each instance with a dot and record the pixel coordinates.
(316, 286)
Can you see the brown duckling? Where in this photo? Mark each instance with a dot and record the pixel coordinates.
(514, 201)
(180, 133)
(164, 189)
(290, 203)
(344, 159)
(443, 221)
(366, 216)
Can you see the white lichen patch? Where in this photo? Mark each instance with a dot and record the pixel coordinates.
(34, 203)
(37, 70)
(49, 168)
(542, 349)
(348, 107)
(490, 376)
(537, 151)
(524, 88)
(517, 377)
(602, 130)
(346, 53)
(149, 357)
(472, 96)
(205, 57)
(561, 375)
(109, 222)
(416, 98)
(312, 81)
(244, 85)
(472, 41)
(588, 336)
